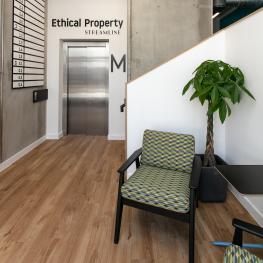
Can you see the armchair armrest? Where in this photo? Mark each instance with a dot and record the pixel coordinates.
(247, 227)
(196, 171)
(243, 226)
(134, 157)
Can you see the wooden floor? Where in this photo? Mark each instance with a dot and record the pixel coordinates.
(57, 204)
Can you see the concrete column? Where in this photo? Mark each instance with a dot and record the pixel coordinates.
(23, 122)
(162, 29)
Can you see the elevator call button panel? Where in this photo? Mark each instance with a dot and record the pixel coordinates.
(28, 44)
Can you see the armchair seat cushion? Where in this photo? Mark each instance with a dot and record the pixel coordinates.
(236, 254)
(163, 188)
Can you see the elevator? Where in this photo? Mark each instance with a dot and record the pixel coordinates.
(87, 81)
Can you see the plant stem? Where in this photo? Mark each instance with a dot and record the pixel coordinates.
(209, 157)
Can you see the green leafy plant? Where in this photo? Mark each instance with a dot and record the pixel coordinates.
(219, 84)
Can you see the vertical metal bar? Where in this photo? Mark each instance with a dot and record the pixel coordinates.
(129, 35)
(67, 70)
(1, 74)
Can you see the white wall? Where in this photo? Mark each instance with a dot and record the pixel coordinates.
(155, 100)
(99, 9)
(244, 140)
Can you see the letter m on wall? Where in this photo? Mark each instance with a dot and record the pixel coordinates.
(120, 64)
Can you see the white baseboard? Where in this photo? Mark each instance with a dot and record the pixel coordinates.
(248, 205)
(114, 137)
(57, 136)
(4, 165)
(54, 136)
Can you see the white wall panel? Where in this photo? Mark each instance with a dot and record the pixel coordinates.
(155, 100)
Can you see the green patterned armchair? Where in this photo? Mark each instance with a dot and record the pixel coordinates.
(165, 182)
(235, 253)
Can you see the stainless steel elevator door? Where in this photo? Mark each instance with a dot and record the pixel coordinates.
(88, 75)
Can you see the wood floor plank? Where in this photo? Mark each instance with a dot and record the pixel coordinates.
(57, 205)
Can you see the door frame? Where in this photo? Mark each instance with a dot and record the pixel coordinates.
(65, 92)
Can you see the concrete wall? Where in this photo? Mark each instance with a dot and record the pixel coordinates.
(162, 29)
(23, 122)
(85, 9)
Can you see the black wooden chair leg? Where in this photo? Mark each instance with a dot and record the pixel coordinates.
(191, 241)
(197, 199)
(118, 220)
(192, 227)
(238, 237)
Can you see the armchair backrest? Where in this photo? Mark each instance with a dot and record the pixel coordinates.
(168, 150)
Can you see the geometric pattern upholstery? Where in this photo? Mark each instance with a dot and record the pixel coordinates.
(168, 150)
(236, 254)
(168, 189)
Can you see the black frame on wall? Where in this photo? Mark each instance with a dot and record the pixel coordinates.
(28, 60)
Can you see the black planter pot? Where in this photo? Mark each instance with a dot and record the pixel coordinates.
(213, 187)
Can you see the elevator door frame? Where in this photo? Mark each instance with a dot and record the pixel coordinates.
(66, 45)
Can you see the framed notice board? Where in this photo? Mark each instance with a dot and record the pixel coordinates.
(28, 44)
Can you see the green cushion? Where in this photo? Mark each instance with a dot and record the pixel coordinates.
(159, 187)
(236, 254)
(168, 150)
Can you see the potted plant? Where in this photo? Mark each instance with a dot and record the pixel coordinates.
(219, 84)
